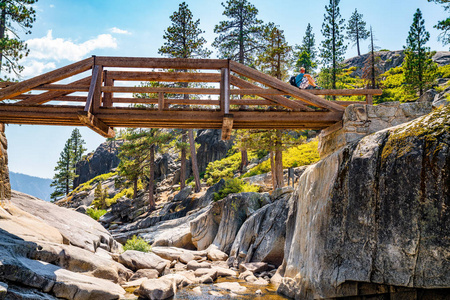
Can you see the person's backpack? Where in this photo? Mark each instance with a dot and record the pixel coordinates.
(292, 81)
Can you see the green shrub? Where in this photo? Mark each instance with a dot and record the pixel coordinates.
(95, 213)
(444, 71)
(138, 244)
(297, 156)
(88, 184)
(235, 185)
(225, 168)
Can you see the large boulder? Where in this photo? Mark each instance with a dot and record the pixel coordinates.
(262, 236)
(136, 260)
(373, 218)
(79, 229)
(212, 147)
(222, 220)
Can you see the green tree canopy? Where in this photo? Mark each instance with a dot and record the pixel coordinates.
(356, 29)
(419, 68)
(305, 54)
(239, 37)
(444, 24)
(332, 47)
(15, 14)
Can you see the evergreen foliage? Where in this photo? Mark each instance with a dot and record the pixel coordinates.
(65, 167)
(419, 68)
(100, 196)
(356, 29)
(14, 13)
(444, 24)
(332, 48)
(239, 36)
(274, 59)
(371, 70)
(305, 54)
(95, 213)
(138, 244)
(235, 185)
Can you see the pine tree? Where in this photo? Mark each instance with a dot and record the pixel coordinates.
(332, 48)
(137, 157)
(444, 25)
(14, 13)
(274, 60)
(239, 37)
(183, 40)
(371, 71)
(419, 68)
(65, 167)
(356, 29)
(305, 55)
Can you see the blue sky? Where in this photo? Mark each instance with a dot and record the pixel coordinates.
(67, 31)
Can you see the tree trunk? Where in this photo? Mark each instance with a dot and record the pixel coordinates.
(151, 179)
(183, 161)
(2, 32)
(279, 160)
(194, 160)
(244, 160)
(135, 182)
(272, 169)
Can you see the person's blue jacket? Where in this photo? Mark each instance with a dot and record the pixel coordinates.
(298, 79)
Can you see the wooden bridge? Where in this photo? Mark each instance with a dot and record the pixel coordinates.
(227, 95)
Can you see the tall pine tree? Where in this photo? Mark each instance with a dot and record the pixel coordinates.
(332, 47)
(305, 54)
(239, 37)
(65, 167)
(356, 29)
(444, 25)
(14, 14)
(183, 40)
(371, 71)
(419, 68)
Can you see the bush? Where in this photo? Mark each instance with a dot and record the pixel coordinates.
(95, 213)
(302, 155)
(235, 185)
(138, 244)
(225, 168)
(88, 184)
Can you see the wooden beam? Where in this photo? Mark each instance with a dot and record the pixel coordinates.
(63, 87)
(333, 128)
(227, 126)
(164, 76)
(225, 91)
(56, 75)
(96, 124)
(49, 96)
(163, 63)
(277, 100)
(126, 89)
(283, 86)
(92, 88)
(97, 96)
(108, 97)
(369, 99)
(346, 92)
(161, 103)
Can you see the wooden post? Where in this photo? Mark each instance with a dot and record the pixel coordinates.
(226, 92)
(107, 97)
(161, 104)
(369, 99)
(90, 96)
(97, 96)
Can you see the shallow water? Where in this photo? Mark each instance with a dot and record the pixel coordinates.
(268, 291)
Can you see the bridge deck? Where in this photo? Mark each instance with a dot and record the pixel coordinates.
(227, 95)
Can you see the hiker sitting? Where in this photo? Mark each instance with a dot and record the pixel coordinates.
(304, 81)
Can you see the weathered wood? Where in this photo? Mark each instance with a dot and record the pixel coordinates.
(277, 100)
(161, 103)
(108, 81)
(49, 96)
(163, 63)
(61, 73)
(225, 93)
(227, 126)
(90, 96)
(282, 86)
(127, 89)
(346, 92)
(333, 128)
(369, 99)
(97, 96)
(96, 124)
(164, 76)
(63, 87)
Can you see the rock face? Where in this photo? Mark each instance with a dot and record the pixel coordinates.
(212, 147)
(102, 161)
(5, 187)
(373, 218)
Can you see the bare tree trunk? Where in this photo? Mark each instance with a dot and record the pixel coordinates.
(279, 160)
(183, 161)
(135, 182)
(274, 173)
(151, 184)
(194, 160)
(244, 160)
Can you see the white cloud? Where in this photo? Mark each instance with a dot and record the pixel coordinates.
(52, 6)
(119, 31)
(59, 49)
(33, 68)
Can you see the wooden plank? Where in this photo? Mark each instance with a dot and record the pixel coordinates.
(161, 101)
(63, 87)
(333, 128)
(108, 81)
(96, 124)
(277, 100)
(46, 78)
(97, 96)
(227, 126)
(346, 92)
(285, 87)
(90, 96)
(126, 89)
(49, 96)
(164, 76)
(163, 63)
